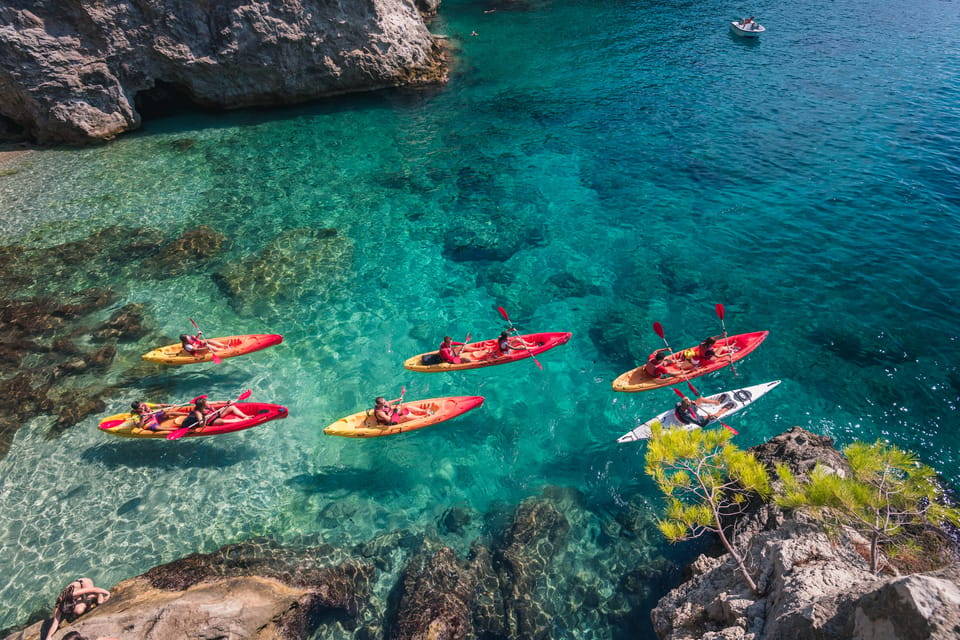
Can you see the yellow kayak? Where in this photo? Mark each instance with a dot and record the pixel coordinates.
(364, 425)
(236, 346)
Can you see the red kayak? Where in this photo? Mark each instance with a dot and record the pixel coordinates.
(125, 424)
(730, 349)
(485, 353)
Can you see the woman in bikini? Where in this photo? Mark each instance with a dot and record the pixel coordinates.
(77, 598)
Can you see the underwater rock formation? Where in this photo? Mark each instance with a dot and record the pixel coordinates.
(298, 264)
(516, 583)
(811, 587)
(84, 71)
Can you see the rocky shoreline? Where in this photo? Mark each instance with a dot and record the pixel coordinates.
(84, 72)
(811, 586)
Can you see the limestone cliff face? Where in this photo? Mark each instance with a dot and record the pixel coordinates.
(74, 70)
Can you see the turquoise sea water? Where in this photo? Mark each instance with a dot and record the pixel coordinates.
(620, 163)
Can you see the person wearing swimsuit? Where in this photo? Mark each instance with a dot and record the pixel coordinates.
(387, 414)
(77, 598)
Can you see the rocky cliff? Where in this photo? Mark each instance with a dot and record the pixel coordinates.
(78, 71)
(812, 587)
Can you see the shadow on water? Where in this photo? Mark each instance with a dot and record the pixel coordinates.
(160, 454)
(374, 482)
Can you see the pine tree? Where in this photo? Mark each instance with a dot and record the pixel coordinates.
(705, 479)
(887, 490)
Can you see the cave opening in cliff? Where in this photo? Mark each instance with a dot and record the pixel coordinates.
(165, 99)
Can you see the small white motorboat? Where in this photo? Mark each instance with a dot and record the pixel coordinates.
(747, 28)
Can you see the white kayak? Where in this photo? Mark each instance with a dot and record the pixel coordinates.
(732, 402)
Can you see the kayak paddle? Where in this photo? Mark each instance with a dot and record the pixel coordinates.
(698, 394)
(517, 333)
(213, 354)
(721, 312)
(179, 433)
(464, 345)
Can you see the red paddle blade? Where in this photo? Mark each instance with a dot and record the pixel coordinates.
(678, 392)
(658, 329)
(693, 388)
(195, 325)
(179, 433)
(244, 395)
(110, 424)
(720, 310)
(735, 432)
(216, 359)
(194, 401)
(504, 314)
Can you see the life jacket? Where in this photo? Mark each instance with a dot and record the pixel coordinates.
(447, 355)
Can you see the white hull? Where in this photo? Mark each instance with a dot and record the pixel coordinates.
(739, 397)
(747, 33)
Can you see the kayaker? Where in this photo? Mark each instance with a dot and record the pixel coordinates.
(387, 414)
(504, 346)
(447, 352)
(77, 598)
(200, 416)
(690, 411)
(196, 345)
(702, 354)
(654, 366)
(150, 419)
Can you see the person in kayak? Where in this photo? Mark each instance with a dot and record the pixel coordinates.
(77, 598)
(203, 415)
(689, 411)
(504, 346)
(655, 364)
(150, 419)
(448, 353)
(197, 345)
(386, 413)
(700, 355)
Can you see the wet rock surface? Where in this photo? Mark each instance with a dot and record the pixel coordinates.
(80, 72)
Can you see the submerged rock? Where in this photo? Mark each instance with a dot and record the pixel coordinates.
(85, 71)
(299, 264)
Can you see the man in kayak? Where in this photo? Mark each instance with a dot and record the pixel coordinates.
(387, 414)
(654, 366)
(203, 415)
(448, 353)
(700, 355)
(690, 411)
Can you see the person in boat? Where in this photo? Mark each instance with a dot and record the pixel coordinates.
(198, 345)
(150, 419)
(700, 355)
(655, 366)
(203, 415)
(449, 354)
(504, 346)
(77, 598)
(386, 413)
(690, 411)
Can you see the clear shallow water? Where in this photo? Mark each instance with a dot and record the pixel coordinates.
(819, 166)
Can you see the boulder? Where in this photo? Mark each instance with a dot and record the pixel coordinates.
(83, 71)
